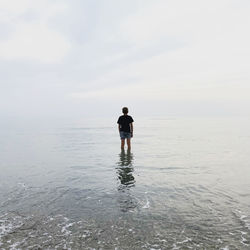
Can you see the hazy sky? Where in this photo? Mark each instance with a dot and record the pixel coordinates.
(87, 58)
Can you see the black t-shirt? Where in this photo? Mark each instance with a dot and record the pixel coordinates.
(124, 121)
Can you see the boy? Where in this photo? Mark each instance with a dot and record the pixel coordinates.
(125, 127)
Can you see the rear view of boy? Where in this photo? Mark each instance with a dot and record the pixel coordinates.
(125, 127)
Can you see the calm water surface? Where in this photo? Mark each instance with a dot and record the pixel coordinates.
(184, 185)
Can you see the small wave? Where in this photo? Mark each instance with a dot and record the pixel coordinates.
(245, 221)
(243, 218)
(65, 229)
(22, 184)
(147, 205)
(9, 224)
(225, 248)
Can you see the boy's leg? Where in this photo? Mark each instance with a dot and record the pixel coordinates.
(122, 143)
(128, 143)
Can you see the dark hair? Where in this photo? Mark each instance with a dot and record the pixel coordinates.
(124, 110)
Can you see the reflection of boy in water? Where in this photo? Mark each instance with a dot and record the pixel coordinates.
(125, 127)
(125, 169)
(126, 159)
(124, 172)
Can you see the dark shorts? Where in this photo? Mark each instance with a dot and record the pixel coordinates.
(125, 135)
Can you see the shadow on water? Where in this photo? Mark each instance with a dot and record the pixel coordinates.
(126, 179)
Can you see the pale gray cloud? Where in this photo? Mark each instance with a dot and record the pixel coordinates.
(73, 57)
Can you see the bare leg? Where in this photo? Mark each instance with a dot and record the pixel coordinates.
(129, 144)
(122, 143)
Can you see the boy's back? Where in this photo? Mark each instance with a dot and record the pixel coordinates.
(124, 121)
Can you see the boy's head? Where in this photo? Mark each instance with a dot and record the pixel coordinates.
(124, 110)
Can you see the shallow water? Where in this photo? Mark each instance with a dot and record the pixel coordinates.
(184, 185)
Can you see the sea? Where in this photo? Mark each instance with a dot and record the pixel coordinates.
(185, 184)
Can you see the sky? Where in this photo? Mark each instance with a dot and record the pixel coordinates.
(79, 58)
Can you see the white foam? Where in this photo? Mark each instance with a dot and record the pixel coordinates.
(184, 241)
(5, 228)
(175, 247)
(65, 228)
(22, 184)
(3, 216)
(242, 232)
(15, 245)
(244, 219)
(219, 240)
(243, 240)
(65, 247)
(66, 219)
(155, 246)
(147, 205)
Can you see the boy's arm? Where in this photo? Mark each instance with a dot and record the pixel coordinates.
(131, 129)
(119, 127)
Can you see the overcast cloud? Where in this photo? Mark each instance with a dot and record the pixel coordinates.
(81, 58)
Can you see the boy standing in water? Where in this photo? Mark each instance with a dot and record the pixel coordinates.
(125, 127)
